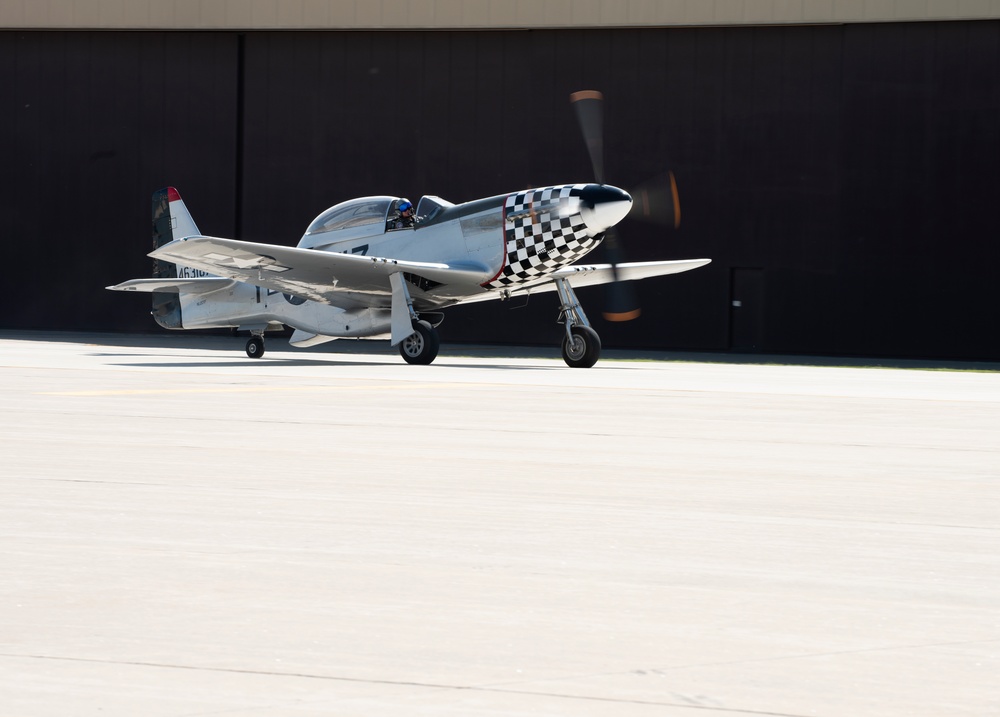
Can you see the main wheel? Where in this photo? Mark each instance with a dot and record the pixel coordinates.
(255, 347)
(585, 348)
(420, 347)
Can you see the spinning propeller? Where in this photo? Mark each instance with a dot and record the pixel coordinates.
(655, 200)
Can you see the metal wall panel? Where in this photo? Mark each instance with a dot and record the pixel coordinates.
(920, 258)
(90, 125)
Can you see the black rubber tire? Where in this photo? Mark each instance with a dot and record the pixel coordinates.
(255, 347)
(585, 349)
(420, 347)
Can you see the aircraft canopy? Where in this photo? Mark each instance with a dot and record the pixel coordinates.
(351, 214)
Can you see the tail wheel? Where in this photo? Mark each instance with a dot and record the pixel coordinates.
(583, 350)
(420, 347)
(255, 347)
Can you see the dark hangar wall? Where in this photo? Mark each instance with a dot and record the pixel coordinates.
(842, 178)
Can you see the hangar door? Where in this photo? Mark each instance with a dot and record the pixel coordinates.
(746, 311)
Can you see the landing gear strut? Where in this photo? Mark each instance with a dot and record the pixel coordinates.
(581, 346)
(421, 346)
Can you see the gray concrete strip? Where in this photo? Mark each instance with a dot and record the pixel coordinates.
(188, 532)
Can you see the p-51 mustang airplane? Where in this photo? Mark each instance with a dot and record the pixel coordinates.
(362, 269)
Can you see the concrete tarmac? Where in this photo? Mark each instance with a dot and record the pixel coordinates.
(187, 532)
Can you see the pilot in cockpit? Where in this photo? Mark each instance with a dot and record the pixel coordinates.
(404, 217)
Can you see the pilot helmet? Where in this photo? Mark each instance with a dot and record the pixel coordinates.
(405, 205)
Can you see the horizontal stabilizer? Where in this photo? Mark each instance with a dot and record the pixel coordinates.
(201, 285)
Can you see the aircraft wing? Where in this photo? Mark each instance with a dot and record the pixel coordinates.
(346, 280)
(591, 275)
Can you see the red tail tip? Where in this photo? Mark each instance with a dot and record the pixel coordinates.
(173, 195)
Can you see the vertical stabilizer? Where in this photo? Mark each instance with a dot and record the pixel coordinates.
(171, 220)
(180, 217)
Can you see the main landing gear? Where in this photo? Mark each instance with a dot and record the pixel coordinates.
(420, 347)
(255, 346)
(581, 346)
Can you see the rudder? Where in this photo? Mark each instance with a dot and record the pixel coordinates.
(171, 220)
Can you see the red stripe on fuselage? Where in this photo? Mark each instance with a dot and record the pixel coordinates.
(503, 238)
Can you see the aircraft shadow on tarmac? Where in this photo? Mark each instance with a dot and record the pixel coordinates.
(302, 363)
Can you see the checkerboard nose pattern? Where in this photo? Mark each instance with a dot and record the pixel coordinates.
(554, 226)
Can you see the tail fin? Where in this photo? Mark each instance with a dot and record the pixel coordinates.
(171, 220)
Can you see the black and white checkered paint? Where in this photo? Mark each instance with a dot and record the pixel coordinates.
(544, 231)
